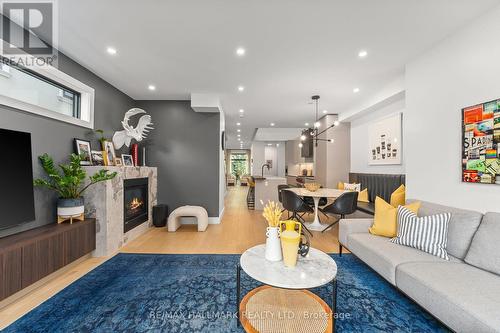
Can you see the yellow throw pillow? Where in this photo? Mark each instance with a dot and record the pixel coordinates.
(340, 186)
(398, 197)
(385, 221)
(363, 196)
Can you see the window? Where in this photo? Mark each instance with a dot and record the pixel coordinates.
(48, 92)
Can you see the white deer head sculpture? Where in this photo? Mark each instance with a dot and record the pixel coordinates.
(138, 133)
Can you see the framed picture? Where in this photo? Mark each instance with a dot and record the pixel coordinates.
(481, 143)
(97, 157)
(384, 139)
(109, 152)
(82, 148)
(118, 161)
(127, 160)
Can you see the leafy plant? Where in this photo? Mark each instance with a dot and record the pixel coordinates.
(68, 182)
(101, 138)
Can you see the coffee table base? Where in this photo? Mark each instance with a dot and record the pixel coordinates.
(331, 311)
(269, 309)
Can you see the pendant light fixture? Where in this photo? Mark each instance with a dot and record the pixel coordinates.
(315, 132)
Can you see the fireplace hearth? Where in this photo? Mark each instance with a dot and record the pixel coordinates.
(135, 203)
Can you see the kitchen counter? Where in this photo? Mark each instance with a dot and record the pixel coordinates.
(266, 189)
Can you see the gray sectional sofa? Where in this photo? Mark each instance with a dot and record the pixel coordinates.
(464, 292)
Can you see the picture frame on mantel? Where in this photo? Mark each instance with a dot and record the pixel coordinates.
(84, 150)
(127, 160)
(109, 153)
(384, 139)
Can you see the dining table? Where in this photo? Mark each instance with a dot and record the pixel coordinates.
(330, 193)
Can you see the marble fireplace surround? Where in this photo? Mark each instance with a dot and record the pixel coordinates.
(104, 202)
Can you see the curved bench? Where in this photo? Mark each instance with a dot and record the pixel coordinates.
(174, 220)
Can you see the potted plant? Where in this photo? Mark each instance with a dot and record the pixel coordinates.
(69, 183)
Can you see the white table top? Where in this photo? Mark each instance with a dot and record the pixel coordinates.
(320, 193)
(315, 270)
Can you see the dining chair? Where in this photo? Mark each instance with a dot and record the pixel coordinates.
(344, 205)
(281, 187)
(295, 204)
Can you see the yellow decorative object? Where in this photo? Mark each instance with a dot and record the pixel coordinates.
(385, 221)
(363, 196)
(313, 187)
(272, 213)
(290, 242)
(340, 186)
(398, 197)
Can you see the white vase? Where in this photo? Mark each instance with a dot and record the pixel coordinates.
(273, 244)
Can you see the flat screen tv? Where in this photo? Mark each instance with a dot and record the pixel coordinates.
(17, 204)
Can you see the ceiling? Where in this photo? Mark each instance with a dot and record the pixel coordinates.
(294, 48)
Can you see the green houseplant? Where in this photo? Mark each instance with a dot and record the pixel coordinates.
(69, 183)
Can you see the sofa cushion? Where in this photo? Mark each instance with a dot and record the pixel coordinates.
(462, 226)
(426, 233)
(465, 298)
(484, 250)
(383, 256)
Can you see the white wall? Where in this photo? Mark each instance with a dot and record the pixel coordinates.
(261, 152)
(360, 144)
(332, 160)
(462, 70)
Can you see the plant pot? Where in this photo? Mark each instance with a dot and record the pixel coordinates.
(70, 207)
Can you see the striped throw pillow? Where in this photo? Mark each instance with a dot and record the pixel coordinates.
(426, 233)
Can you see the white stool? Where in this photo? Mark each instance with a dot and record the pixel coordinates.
(174, 220)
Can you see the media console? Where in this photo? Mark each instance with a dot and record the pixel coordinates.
(29, 256)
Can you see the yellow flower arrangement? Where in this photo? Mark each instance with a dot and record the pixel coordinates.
(272, 214)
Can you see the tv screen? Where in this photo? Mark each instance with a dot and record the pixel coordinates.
(17, 204)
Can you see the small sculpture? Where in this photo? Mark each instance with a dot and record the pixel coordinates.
(138, 133)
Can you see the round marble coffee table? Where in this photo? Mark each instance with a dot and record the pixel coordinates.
(312, 271)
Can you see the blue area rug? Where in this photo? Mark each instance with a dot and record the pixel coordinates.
(197, 293)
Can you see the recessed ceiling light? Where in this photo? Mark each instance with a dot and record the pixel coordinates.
(239, 135)
(272, 124)
(269, 144)
(303, 137)
(306, 124)
(336, 123)
(241, 110)
(362, 53)
(325, 111)
(277, 145)
(238, 130)
(241, 88)
(301, 145)
(151, 87)
(238, 124)
(240, 51)
(111, 50)
(239, 139)
(355, 90)
(317, 124)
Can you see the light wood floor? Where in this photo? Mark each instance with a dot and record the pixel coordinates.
(239, 229)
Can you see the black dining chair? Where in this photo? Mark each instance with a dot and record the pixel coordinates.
(280, 196)
(345, 204)
(296, 205)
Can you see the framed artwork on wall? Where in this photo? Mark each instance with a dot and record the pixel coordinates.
(384, 139)
(481, 143)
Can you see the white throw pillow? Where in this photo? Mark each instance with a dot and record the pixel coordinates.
(426, 233)
(352, 187)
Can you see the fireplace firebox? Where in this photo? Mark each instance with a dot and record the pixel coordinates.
(135, 202)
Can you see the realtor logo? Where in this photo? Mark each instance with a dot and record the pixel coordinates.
(29, 32)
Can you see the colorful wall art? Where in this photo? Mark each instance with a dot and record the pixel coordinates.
(481, 143)
(385, 141)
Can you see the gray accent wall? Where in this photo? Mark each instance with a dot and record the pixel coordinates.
(56, 137)
(185, 147)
